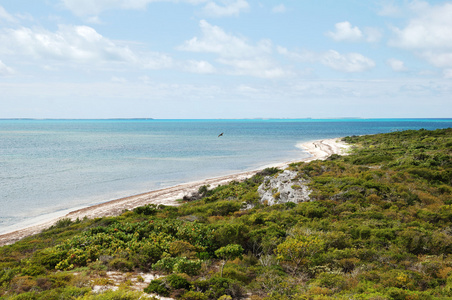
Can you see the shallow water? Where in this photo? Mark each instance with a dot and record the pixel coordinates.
(49, 166)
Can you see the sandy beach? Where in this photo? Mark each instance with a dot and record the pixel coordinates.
(319, 149)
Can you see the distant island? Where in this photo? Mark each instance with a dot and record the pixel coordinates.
(63, 119)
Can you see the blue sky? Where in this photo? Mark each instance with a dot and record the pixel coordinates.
(225, 59)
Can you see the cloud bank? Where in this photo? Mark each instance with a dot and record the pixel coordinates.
(428, 34)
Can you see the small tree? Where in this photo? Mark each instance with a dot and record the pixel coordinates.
(229, 252)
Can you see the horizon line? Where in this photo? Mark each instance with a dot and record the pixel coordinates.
(206, 119)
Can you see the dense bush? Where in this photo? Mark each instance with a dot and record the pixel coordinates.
(216, 287)
(158, 287)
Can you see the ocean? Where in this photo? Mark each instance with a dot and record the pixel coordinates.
(50, 167)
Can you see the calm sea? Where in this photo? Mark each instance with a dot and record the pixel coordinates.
(51, 166)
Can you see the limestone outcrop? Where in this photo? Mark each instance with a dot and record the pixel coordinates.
(285, 187)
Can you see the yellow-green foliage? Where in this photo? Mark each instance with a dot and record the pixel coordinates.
(298, 252)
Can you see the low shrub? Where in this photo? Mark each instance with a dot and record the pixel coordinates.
(192, 295)
(148, 210)
(121, 264)
(6, 275)
(216, 287)
(157, 286)
(177, 282)
(22, 284)
(332, 281)
(65, 222)
(190, 267)
(146, 255)
(178, 265)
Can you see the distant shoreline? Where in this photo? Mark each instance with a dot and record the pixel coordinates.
(319, 150)
(218, 119)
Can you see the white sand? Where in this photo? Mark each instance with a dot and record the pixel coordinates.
(320, 149)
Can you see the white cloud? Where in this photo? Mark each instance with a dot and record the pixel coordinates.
(215, 40)
(156, 61)
(119, 79)
(236, 52)
(5, 70)
(200, 67)
(433, 29)
(305, 56)
(373, 35)
(397, 65)
(345, 32)
(75, 45)
(93, 20)
(350, 62)
(418, 6)
(242, 88)
(257, 67)
(4, 15)
(429, 34)
(389, 10)
(212, 8)
(447, 73)
(440, 59)
(229, 8)
(90, 7)
(279, 9)
(70, 43)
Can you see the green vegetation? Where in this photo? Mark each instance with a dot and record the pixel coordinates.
(379, 227)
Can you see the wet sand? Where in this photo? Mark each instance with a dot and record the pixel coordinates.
(320, 149)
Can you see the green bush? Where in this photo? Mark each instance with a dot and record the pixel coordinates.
(192, 295)
(332, 281)
(190, 267)
(148, 210)
(146, 255)
(69, 292)
(216, 287)
(177, 282)
(165, 264)
(231, 233)
(178, 265)
(121, 264)
(233, 271)
(26, 296)
(229, 252)
(61, 223)
(6, 275)
(33, 270)
(224, 208)
(251, 197)
(49, 257)
(157, 286)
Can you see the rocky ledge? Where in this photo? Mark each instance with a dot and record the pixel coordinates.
(284, 187)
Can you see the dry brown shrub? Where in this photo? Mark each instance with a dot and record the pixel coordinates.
(23, 284)
(444, 272)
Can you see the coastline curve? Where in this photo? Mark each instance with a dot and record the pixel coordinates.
(318, 149)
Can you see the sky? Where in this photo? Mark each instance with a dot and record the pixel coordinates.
(209, 59)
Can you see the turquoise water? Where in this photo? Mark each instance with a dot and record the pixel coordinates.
(50, 166)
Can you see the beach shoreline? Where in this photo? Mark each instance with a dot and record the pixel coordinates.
(319, 150)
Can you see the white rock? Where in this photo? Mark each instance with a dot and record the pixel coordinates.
(284, 188)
